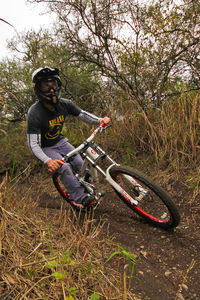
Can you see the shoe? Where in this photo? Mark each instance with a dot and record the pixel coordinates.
(86, 201)
(87, 177)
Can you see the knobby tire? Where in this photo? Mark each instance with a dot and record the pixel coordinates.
(157, 208)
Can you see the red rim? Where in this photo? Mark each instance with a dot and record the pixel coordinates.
(60, 188)
(146, 215)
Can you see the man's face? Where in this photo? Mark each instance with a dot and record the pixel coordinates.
(50, 90)
(49, 87)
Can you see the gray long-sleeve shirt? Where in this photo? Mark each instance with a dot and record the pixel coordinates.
(44, 127)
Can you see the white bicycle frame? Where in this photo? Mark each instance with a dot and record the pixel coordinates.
(91, 157)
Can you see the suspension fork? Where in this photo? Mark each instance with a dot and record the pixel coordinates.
(118, 188)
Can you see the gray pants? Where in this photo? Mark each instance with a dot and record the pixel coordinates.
(72, 185)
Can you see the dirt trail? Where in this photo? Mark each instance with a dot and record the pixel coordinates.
(168, 263)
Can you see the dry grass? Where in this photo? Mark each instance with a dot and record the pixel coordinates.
(166, 138)
(171, 133)
(54, 253)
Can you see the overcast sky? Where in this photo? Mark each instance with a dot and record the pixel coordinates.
(22, 16)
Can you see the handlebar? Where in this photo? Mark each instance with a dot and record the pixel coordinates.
(100, 128)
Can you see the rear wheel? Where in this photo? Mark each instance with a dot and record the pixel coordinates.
(155, 206)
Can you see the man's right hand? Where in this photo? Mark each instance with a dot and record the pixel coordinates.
(54, 164)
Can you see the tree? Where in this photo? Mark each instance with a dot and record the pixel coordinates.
(144, 49)
(14, 90)
(36, 49)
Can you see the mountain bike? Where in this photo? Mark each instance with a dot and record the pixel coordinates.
(141, 194)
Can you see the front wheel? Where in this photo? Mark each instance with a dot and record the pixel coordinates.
(154, 203)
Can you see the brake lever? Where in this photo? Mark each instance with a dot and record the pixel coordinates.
(104, 127)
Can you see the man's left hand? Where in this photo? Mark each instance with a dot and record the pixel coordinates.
(105, 120)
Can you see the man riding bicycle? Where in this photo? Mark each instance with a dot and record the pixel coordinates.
(44, 126)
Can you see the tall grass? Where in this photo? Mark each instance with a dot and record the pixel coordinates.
(14, 151)
(169, 134)
(56, 254)
(167, 137)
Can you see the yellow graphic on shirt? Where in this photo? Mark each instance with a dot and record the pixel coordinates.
(55, 127)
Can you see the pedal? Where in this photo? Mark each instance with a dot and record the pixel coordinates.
(101, 193)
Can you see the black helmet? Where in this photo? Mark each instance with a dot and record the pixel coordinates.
(47, 74)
